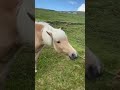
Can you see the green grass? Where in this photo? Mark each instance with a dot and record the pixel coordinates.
(55, 70)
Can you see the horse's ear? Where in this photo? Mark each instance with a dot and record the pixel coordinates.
(49, 33)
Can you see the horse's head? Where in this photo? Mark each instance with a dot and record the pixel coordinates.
(61, 43)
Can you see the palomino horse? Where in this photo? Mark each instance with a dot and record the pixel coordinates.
(47, 35)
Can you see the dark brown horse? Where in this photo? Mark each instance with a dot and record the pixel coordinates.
(8, 36)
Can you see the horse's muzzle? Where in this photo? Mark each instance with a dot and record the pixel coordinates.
(73, 56)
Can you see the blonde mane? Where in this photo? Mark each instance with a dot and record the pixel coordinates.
(56, 33)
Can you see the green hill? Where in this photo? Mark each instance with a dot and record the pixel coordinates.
(51, 15)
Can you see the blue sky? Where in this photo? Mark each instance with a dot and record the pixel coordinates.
(61, 5)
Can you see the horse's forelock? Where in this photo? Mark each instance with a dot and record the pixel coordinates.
(59, 34)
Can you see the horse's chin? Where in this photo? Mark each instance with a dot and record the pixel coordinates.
(72, 58)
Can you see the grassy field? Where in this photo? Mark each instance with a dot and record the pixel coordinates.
(102, 36)
(56, 71)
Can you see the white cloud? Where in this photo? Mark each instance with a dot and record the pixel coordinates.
(73, 2)
(81, 8)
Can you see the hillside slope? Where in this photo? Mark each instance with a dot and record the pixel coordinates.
(50, 15)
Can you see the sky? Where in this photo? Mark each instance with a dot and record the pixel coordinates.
(61, 5)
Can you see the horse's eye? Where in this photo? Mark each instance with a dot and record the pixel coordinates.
(58, 41)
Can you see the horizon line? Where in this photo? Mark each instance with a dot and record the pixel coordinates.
(56, 10)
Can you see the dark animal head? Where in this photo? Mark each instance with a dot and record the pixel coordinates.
(92, 72)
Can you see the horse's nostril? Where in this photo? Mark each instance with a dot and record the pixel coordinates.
(73, 56)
